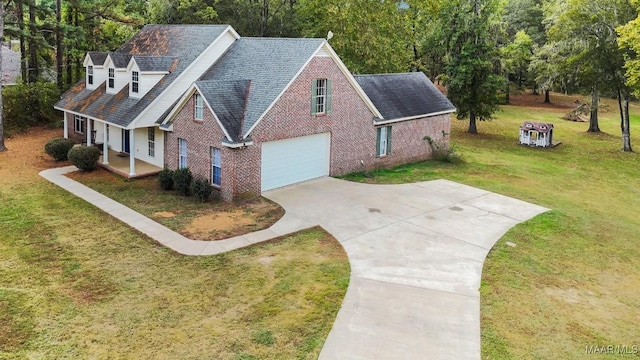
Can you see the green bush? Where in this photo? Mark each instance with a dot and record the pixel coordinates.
(201, 189)
(182, 179)
(31, 104)
(165, 179)
(84, 158)
(58, 148)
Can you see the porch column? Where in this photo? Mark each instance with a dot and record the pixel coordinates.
(132, 153)
(65, 119)
(105, 146)
(88, 129)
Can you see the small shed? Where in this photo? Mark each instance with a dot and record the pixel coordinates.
(536, 134)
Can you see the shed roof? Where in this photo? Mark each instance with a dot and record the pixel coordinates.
(404, 95)
(537, 126)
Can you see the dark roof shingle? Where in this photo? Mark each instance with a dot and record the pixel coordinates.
(404, 95)
(184, 43)
(228, 100)
(269, 63)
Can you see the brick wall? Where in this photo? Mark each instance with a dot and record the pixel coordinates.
(353, 134)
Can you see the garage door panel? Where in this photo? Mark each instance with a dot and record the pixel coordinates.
(289, 161)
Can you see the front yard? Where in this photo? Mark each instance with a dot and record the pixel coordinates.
(213, 220)
(572, 280)
(75, 283)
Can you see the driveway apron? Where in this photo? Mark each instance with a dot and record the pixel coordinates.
(416, 253)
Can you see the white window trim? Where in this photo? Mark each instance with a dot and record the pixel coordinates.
(216, 163)
(198, 107)
(151, 141)
(182, 153)
(90, 74)
(382, 150)
(321, 96)
(111, 78)
(79, 124)
(135, 82)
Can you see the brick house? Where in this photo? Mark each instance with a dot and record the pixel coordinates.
(252, 114)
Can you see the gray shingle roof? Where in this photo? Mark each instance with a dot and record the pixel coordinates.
(182, 42)
(269, 63)
(404, 95)
(228, 100)
(120, 60)
(154, 63)
(97, 57)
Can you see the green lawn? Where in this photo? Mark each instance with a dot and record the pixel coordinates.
(573, 278)
(77, 284)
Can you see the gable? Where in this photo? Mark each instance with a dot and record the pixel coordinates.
(185, 44)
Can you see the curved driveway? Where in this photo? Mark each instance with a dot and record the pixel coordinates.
(416, 254)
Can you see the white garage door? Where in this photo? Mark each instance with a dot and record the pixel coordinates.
(289, 161)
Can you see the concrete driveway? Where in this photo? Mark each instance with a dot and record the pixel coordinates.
(416, 254)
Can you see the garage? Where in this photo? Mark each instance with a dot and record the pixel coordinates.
(286, 162)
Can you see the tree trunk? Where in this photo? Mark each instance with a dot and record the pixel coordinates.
(24, 63)
(593, 116)
(68, 59)
(77, 59)
(547, 98)
(59, 44)
(623, 103)
(472, 123)
(33, 48)
(2, 146)
(507, 91)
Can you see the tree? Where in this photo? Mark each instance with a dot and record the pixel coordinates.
(516, 57)
(630, 40)
(371, 36)
(597, 57)
(2, 146)
(472, 82)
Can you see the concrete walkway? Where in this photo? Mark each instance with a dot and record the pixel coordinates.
(416, 254)
(158, 232)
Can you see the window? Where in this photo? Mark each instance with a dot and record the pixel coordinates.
(216, 166)
(90, 74)
(78, 124)
(151, 140)
(320, 96)
(383, 142)
(112, 78)
(199, 107)
(182, 150)
(134, 81)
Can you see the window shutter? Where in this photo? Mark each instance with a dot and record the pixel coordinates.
(388, 140)
(314, 100)
(329, 83)
(378, 142)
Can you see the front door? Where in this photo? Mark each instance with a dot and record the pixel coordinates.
(125, 141)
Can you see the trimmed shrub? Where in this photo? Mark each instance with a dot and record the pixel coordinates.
(182, 179)
(58, 148)
(201, 189)
(84, 158)
(165, 179)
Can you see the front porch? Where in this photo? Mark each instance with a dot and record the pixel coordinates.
(119, 164)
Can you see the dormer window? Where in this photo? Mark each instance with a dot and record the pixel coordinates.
(112, 78)
(135, 77)
(198, 113)
(90, 74)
